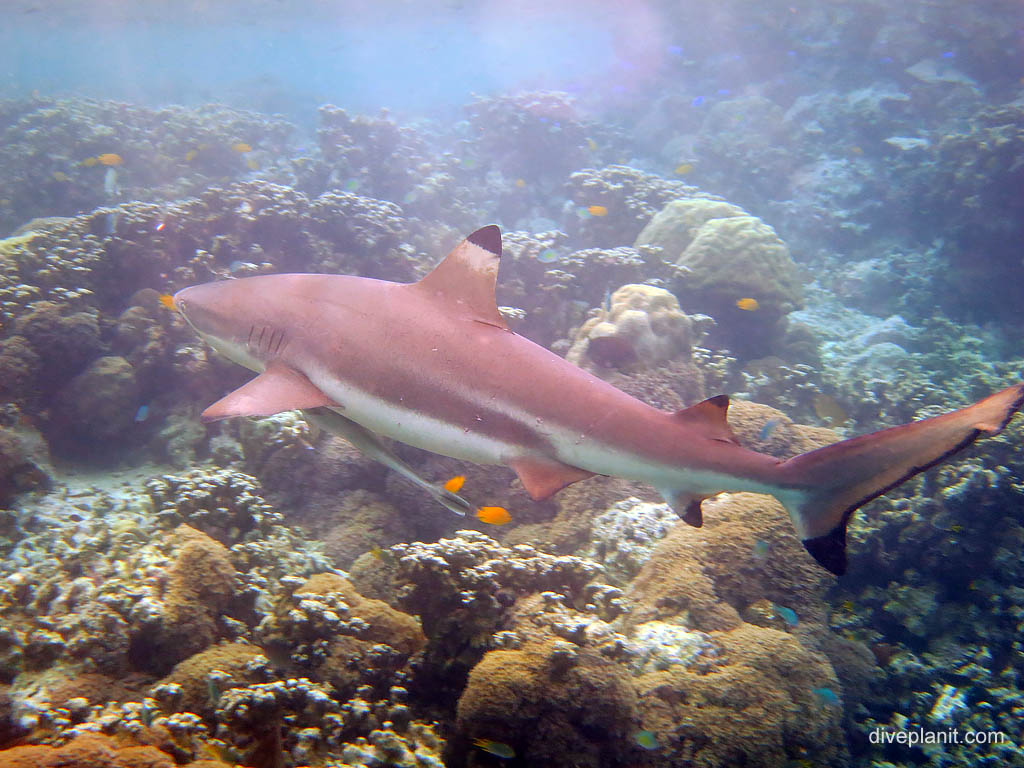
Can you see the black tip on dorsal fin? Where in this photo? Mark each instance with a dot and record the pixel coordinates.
(830, 550)
(465, 279)
(488, 238)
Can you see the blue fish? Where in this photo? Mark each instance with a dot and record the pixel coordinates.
(788, 615)
(826, 696)
(768, 428)
(697, 101)
(142, 414)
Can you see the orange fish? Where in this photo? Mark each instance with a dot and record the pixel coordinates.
(241, 147)
(748, 304)
(167, 300)
(455, 484)
(494, 515)
(597, 210)
(252, 164)
(520, 183)
(89, 162)
(191, 155)
(109, 158)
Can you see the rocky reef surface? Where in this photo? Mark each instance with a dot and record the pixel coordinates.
(259, 594)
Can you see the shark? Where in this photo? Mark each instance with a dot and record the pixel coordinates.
(435, 365)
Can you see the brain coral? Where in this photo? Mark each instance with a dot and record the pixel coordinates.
(728, 255)
(642, 327)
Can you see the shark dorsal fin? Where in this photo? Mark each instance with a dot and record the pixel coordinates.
(709, 418)
(467, 277)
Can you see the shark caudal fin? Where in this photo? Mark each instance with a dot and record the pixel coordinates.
(824, 487)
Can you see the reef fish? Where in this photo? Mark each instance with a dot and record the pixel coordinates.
(434, 364)
(495, 748)
(494, 515)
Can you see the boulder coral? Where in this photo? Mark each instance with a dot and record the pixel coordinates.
(642, 327)
(746, 551)
(195, 684)
(201, 582)
(550, 701)
(98, 404)
(728, 255)
(768, 703)
(90, 750)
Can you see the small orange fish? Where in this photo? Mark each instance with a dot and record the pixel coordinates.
(241, 147)
(191, 155)
(597, 210)
(856, 150)
(89, 162)
(494, 515)
(60, 176)
(167, 300)
(109, 158)
(748, 305)
(252, 164)
(454, 485)
(683, 169)
(520, 183)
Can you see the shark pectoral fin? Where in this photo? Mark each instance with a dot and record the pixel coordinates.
(543, 477)
(278, 388)
(686, 505)
(709, 417)
(465, 280)
(823, 488)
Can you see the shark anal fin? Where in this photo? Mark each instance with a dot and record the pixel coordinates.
(278, 388)
(465, 280)
(709, 417)
(543, 477)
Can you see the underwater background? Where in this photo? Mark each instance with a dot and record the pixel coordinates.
(815, 207)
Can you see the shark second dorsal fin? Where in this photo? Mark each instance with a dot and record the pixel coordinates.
(466, 279)
(709, 418)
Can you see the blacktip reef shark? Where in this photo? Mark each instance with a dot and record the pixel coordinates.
(434, 364)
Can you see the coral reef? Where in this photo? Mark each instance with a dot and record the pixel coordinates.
(728, 255)
(630, 198)
(643, 327)
(224, 504)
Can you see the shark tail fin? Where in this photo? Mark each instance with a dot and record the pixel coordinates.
(823, 488)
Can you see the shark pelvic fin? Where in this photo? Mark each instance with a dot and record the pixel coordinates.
(686, 505)
(466, 279)
(278, 388)
(543, 477)
(709, 418)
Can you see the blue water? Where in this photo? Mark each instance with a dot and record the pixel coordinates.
(284, 56)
